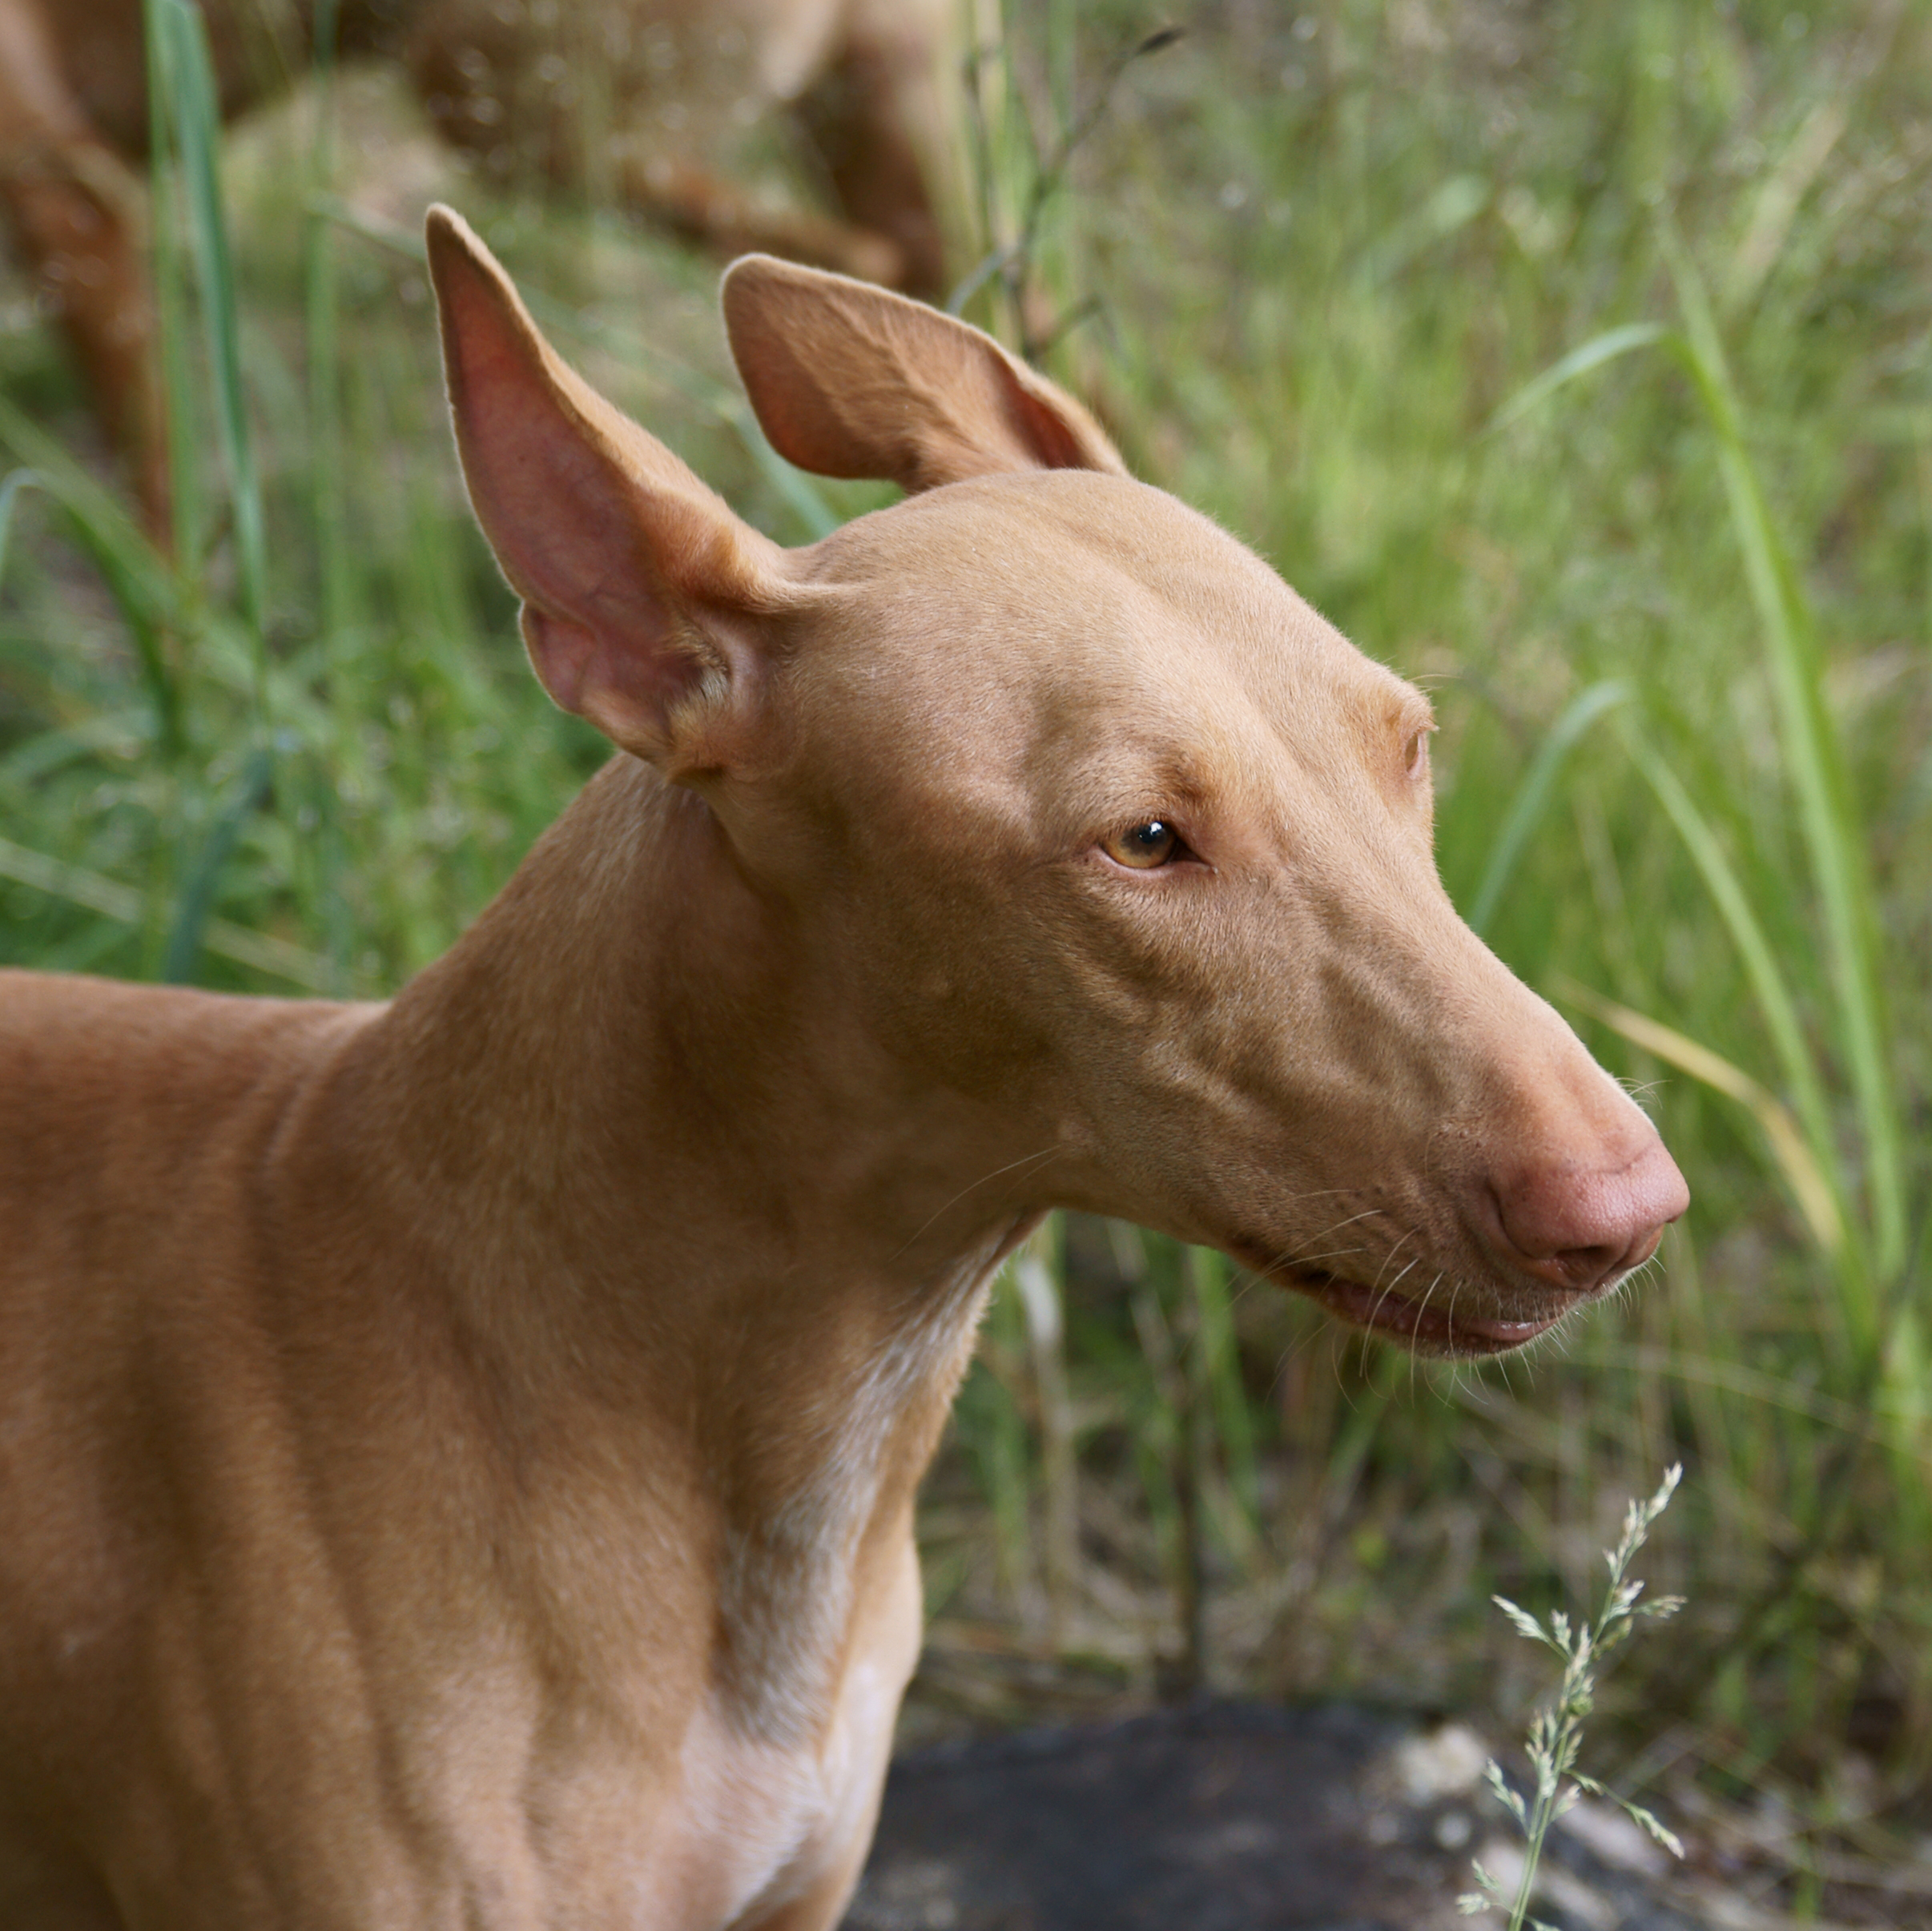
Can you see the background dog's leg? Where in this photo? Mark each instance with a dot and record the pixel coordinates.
(879, 118)
(712, 212)
(75, 210)
(663, 103)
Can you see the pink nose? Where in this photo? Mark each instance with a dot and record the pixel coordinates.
(1578, 1227)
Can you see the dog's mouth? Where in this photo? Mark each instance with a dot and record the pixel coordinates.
(1432, 1324)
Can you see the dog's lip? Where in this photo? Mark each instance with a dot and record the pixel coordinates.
(1431, 1324)
(1383, 1310)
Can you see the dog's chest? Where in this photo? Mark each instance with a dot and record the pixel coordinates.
(746, 1826)
(764, 1823)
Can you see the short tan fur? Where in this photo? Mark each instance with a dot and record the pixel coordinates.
(458, 1456)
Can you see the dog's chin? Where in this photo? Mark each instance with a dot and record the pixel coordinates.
(1442, 1324)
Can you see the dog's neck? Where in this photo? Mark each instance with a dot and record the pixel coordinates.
(626, 1057)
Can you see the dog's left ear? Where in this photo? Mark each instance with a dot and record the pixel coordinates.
(644, 597)
(851, 380)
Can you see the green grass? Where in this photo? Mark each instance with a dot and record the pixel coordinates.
(1574, 359)
(1555, 1738)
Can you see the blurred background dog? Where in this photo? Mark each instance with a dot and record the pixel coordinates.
(642, 100)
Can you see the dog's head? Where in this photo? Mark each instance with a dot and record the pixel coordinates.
(1092, 820)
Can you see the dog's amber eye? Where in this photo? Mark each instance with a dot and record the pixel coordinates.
(1144, 846)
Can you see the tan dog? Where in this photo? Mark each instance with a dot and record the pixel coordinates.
(642, 98)
(457, 1457)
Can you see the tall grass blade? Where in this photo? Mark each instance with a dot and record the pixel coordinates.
(1216, 1364)
(123, 733)
(187, 70)
(1532, 798)
(1784, 187)
(196, 904)
(995, 1429)
(137, 579)
(1453, 206)
(1592, 355)
(322, 317)
(1036, 1272)
(9, 495)
(1167, 1443)
(1814, 762)
(124, 905)
(1775, 1004)
(171, 302)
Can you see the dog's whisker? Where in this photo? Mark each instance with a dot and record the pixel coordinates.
(1392, 1254)
(1308, 1260)
(1381, 1300)
(1422, 1307)
(1298, 1255)
(1026, 1160)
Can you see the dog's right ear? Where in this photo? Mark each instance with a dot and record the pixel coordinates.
(635, 578)
(852, 380)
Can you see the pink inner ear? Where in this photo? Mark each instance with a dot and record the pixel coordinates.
(568, 528)
(556, 510)
(629, 693)
(1047, 435)
(583, 525)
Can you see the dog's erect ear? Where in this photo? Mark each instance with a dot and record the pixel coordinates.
(631, 572)
(848, 380)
